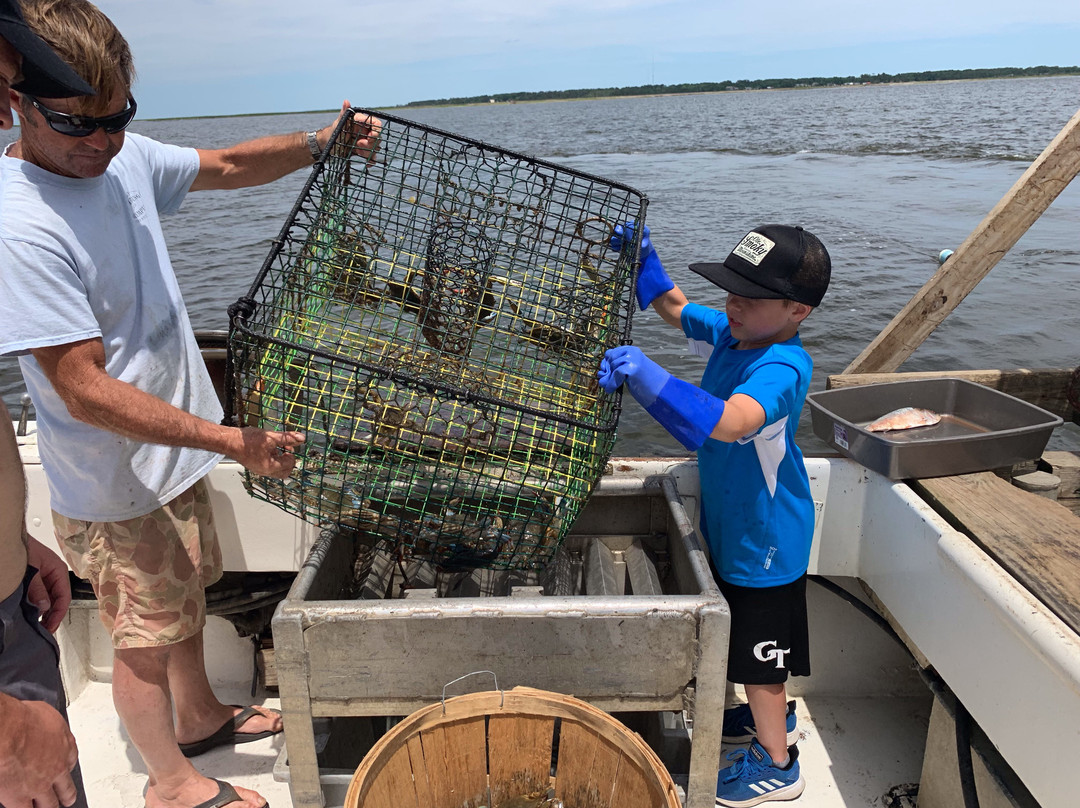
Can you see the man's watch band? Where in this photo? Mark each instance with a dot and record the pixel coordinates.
(313, 145)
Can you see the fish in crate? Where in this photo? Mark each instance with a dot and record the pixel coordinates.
(433, 319)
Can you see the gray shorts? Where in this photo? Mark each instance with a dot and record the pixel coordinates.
(29, 660)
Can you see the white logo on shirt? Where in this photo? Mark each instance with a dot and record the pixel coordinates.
(138, 209)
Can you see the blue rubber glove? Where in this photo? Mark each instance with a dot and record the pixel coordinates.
(685, 410)
(608, 379)
(652, 280)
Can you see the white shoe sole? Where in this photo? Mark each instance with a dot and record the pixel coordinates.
(789, 792)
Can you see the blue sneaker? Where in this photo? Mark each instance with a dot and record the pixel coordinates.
(739, 724)
(753, 778)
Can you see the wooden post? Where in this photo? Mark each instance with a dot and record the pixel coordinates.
(995, 235)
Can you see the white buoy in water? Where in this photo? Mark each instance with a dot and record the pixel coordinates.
(943, 255)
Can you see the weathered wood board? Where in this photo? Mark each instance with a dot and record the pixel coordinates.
(1043, 387)
(1034, 539)
(519, 755)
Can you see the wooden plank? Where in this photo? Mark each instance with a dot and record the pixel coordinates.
(519, 755)
(455, 754)
(1072, 504)
(395, 787)
(418, 766)
(1043, 387)
(633, 788)
(1034, 539)
(996, 234)
(587, 766)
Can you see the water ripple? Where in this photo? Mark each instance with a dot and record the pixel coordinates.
(886, 175)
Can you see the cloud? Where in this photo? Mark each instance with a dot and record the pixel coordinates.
(251, 35)
(398, 48)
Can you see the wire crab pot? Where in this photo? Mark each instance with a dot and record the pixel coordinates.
(433, 315)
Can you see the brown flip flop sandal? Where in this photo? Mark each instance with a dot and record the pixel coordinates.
(226, 796)
(227, 734)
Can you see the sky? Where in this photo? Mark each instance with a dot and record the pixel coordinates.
(227, 57)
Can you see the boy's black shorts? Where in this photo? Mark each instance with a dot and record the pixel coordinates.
(770, 638)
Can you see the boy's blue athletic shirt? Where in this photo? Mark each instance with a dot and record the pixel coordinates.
(757, 514)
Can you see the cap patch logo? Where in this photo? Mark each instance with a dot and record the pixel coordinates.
(754, 247)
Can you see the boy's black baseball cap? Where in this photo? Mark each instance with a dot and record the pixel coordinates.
(770, 263)
(44, 73)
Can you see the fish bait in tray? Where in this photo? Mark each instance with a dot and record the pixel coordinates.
(904, 418)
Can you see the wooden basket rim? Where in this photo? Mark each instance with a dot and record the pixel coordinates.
(520, 700)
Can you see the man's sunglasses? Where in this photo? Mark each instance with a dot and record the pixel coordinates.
(83, 125)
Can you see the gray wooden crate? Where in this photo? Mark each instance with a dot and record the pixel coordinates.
(643, 628)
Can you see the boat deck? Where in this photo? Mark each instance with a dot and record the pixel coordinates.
(865, 713)
(854, 751)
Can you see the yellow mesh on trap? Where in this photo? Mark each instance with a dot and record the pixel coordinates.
(433, 319)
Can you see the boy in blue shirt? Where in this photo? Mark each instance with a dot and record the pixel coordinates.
(757, 514)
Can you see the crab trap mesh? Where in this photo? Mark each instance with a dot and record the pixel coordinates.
(433, 316)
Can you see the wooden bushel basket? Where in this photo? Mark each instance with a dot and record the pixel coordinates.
(483, 749)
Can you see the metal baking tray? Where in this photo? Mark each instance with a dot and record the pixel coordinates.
(980, 428)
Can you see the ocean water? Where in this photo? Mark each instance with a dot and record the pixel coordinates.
(886, 175)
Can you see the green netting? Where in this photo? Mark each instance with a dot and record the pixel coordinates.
(433, 319)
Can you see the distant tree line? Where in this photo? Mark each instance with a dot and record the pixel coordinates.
(758, 84)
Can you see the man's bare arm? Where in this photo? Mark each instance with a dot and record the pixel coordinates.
(77, 373)
(265, 159)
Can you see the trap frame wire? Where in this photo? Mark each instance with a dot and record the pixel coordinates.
(433, 316)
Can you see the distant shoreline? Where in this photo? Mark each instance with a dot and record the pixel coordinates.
(670, 90)
(703, 92)
(742, 85)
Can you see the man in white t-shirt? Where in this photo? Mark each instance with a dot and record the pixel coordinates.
(128, 420)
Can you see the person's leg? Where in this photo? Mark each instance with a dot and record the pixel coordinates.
(143, 702)
(765, 647)
(769, 642)
(149, 575)
(768, 703)
(140, 687)
(198, 711)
